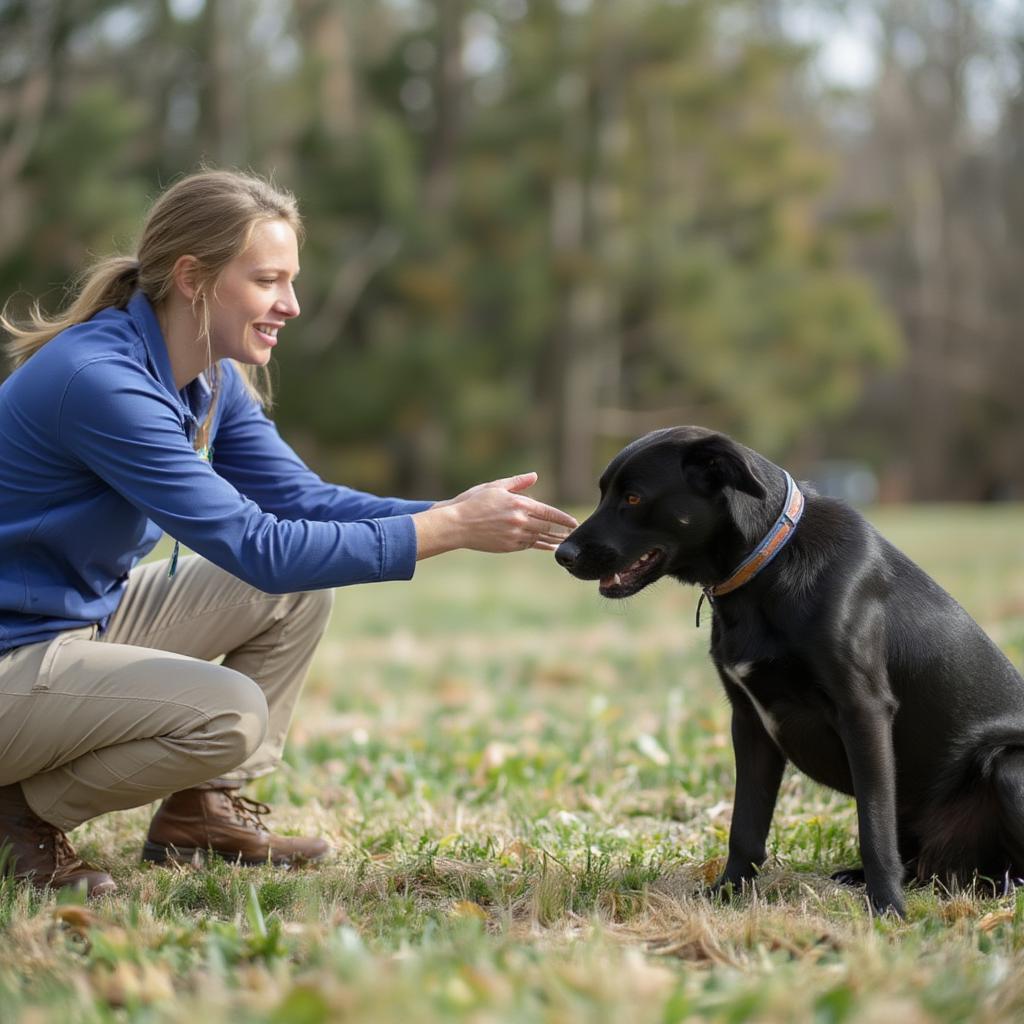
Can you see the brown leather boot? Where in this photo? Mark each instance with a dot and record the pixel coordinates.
(193, 823)
(40, 853)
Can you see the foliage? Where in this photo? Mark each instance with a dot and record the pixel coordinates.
(532, 226)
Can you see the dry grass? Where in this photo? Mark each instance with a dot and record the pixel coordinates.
(528, 790)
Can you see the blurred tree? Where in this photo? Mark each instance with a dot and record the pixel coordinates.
(535, 228)
(630, 236)
(934, 140)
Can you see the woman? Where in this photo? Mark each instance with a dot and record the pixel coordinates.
(139, 411)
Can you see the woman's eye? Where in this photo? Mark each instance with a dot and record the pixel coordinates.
(268, 280)
(632, 499)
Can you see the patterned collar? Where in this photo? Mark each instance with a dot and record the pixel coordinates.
(778, 537)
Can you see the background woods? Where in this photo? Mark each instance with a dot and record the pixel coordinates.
(539, 228)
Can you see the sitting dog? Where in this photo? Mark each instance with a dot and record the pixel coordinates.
(837, 653)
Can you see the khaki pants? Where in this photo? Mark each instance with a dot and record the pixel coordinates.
(93, 722)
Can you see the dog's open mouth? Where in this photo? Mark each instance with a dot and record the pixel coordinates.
(634, 577)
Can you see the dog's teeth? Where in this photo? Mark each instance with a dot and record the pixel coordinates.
(617, 580)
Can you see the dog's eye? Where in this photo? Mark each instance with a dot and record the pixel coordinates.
(632, 499)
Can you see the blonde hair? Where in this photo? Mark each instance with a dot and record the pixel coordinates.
(210, 215)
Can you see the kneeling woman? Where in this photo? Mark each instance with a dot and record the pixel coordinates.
(137, 411)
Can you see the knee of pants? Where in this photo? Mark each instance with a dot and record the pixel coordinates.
(315, 606)
(238, 724)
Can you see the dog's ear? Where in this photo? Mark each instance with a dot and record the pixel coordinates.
(717, 462)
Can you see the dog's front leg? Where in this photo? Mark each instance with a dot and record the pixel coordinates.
(865, 726)
(759, 767)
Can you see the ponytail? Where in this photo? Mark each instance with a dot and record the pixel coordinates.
(209, 215)
(109, 283)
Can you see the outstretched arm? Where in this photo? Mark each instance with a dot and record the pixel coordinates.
(249, 452)
(494, 516)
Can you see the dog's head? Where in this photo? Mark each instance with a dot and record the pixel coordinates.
(669, 506)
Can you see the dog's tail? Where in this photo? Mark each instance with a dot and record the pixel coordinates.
(961, 828)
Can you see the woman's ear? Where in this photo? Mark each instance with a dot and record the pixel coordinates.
(185, 277)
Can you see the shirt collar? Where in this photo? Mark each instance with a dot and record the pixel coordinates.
(194, 399)
(199, 394)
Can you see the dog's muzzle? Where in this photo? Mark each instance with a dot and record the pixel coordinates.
(567, 553)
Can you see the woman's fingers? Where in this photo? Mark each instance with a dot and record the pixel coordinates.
(548, 525)
(497, 517)
(550, 537)
(519, 482)
(549, 514)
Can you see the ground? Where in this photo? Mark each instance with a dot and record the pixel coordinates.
(527, 787)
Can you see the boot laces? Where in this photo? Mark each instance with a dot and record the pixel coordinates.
(249, 811)
(64, 855)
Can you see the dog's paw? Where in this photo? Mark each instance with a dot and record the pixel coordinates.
(850, 876)
(727, 887)
(722, 890)
(888, 905)
(884, 901)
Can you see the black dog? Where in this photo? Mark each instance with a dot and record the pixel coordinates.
(837, 653)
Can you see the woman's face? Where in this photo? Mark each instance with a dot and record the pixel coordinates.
(254, 298)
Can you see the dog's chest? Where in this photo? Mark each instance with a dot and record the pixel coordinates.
(739, 674)
(796, 714)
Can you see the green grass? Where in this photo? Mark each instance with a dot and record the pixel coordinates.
(527, 788)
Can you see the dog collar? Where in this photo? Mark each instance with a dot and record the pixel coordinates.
(778, 537)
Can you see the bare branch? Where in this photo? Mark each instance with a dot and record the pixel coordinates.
(350, 282)
(34, 92)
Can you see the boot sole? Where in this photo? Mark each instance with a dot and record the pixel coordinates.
(158, 853)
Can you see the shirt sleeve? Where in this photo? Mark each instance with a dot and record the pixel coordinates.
(250, 453)
(120, 423)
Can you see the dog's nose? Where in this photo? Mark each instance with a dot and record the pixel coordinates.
(566, 553)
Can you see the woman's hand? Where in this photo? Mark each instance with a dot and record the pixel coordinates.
(493, 516)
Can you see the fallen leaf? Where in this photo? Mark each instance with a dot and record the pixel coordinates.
(467, 908)
(994, 919)
(652, 749)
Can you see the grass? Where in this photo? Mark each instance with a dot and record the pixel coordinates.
(527, 788)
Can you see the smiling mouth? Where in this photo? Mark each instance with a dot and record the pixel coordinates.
(267, 333)
(646, 569)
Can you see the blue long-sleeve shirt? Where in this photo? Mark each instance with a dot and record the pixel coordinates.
(97, 459)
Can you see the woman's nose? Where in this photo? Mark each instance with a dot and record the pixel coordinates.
(288, 304)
